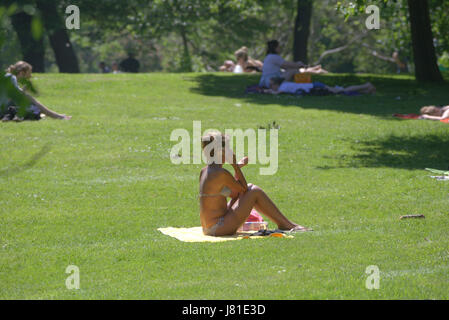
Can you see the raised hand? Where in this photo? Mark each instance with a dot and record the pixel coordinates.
(243, 162)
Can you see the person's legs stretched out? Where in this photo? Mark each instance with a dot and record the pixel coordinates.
(363, 88)
(256, 198)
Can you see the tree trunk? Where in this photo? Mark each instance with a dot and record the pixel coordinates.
(302, 30)
(59, 39)
(426, 68)
(33, 50)
(186, 64)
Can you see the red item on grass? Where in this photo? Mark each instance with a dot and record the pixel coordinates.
(406, 116)
(413, 116)
(254, 216)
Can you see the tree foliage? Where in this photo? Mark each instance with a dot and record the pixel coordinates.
(198, 35)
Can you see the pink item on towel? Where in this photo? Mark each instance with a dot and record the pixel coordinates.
(253, 223)
(254, 216)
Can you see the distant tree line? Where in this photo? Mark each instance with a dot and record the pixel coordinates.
(197, 35)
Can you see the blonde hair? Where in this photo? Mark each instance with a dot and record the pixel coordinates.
(18, 67)
(242, 53)
(214, 137)
(430, 110)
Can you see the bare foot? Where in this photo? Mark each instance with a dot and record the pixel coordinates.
(299, 228)
(293, 227)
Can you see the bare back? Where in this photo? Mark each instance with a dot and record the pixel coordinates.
(212, 207)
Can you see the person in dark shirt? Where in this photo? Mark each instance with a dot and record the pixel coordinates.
(130, 64)
(103, 67)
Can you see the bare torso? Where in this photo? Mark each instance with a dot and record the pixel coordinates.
(212, 207)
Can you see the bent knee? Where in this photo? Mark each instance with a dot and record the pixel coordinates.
(253, 188)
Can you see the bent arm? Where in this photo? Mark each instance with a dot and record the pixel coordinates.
(233, 184)
(444, 116)
(232, 202)
(240, 177)
(292, 65)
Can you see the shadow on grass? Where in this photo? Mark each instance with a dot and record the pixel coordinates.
(404, 152)
(8, 172)
(395, 94)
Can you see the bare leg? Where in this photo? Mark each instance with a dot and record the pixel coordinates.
(47, 111)
(255, 197)
(364, 88)
(317, 69)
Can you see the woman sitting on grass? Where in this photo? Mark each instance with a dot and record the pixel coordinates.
(219, 218)
(273, 64)
(246, 63)
(435, 113)
(22, 70)
(279, 85)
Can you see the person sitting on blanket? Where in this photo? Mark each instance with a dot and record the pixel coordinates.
(435, 113)
(273, 64)
(219, 218)
(23, 70)
(279, 85)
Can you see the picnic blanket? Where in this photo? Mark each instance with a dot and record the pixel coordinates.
(315, 91)
(413, 116)
(195, 234)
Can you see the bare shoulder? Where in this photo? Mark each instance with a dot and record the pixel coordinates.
(222, 171)
(212, 173)
(224, 174)
(218, 173)
(202, 172)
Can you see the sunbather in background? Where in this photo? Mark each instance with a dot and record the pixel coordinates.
(244, 63)
(435, 113)
(279, 85)
(314, 70)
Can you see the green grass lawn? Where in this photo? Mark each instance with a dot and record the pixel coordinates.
(92, 192)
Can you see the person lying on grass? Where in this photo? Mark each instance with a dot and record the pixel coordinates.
(23, 70)
(218, 217)
(435, 113)
(279, 85)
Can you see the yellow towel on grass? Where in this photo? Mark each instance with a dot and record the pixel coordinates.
(195, 234)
